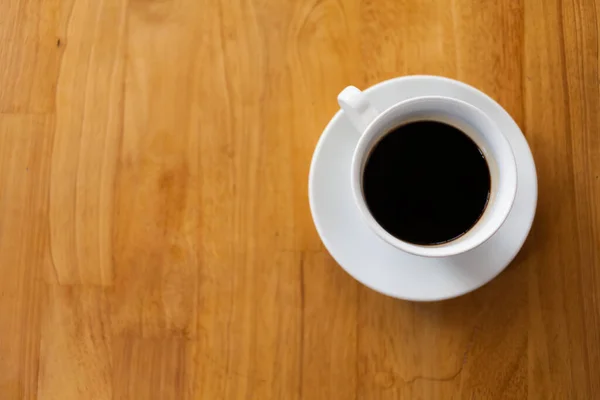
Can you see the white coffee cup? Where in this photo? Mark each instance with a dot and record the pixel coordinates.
(374, 125)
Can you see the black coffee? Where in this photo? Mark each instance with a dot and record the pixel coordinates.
(426, 182)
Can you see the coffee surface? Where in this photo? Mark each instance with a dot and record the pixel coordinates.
(426, 182)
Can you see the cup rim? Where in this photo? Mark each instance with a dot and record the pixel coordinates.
(438, 250)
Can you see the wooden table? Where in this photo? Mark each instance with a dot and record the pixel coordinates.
(155, 235)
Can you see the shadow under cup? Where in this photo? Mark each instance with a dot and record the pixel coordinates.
(484, 133)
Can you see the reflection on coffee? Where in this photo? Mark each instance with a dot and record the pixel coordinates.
(426, 182)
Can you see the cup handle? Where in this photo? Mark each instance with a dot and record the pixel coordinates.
(358, 109)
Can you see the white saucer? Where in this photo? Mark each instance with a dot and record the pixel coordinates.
(383, 267)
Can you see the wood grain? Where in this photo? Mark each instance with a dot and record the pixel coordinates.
(155, 235)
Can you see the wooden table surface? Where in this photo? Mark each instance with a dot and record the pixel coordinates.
(155, 235)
